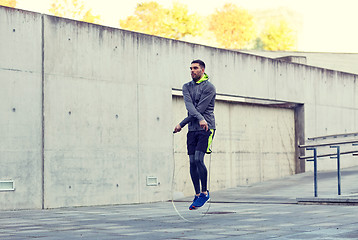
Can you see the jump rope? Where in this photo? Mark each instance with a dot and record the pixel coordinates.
(208, 203)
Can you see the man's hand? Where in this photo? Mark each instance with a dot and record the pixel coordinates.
(177, 128)
(204, 125)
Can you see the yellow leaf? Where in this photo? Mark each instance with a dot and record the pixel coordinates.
(8, 3)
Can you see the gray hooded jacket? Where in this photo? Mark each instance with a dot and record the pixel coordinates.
(199, 98)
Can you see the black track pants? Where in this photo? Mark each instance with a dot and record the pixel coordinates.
(198, 171)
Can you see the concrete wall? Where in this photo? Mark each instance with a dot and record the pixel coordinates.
(344, 62)
(106, 115)
(253, 143)
(94, 116)
(20, 108)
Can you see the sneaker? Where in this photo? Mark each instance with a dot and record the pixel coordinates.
(192, 204)
(202, 199)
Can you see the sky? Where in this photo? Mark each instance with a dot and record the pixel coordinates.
(327, 25)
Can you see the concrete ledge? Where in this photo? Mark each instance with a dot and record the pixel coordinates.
(329, 201)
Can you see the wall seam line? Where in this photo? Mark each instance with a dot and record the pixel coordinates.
(43, 115)
(138, 137)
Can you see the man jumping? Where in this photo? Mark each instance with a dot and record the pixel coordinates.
(199, 97)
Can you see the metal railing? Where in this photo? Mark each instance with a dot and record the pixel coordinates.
(337, 155)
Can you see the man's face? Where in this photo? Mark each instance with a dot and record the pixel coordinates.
(196, 71)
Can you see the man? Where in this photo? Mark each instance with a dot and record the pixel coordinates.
(199, 97)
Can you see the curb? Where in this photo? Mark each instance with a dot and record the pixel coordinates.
(329, 201)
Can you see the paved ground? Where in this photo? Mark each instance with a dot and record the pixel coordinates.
(263, 211)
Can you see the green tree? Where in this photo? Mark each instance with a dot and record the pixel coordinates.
(278, 36)
(233, 26)
(258, 44)
(8, 3)
(74, 9)
(152, 18)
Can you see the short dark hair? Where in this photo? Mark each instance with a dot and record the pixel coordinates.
(201, 63)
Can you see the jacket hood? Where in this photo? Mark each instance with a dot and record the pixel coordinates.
(203, 78)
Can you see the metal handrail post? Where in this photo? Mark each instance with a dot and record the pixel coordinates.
(314, 169)
(338, 167)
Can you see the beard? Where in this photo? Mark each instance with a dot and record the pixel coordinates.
(195, 77)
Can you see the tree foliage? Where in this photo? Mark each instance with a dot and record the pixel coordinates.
(181, 23)
(258, 44)
(8, 3)
(233, 27)
(228, 27)
(74, 9)
(152, 18)
(278, 37)
(146, 19)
